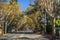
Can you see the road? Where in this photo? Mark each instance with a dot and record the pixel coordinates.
(22, 36)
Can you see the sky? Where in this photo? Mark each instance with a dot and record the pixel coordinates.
(25, 4)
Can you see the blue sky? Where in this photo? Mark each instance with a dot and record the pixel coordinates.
(25, 4)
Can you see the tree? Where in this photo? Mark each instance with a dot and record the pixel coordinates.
(34, 13)
(29, 22)
(12, 14)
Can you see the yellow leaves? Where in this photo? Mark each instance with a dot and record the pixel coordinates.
(19, 24)
(0, 6)
(16, 5)
(35, 18)
(20, 12)
(13, 13)
(37, 13)
(48, 1)
(28, 20)
(30, 8)
(20, 6)
(32, 16)
(10, 6)
(26, 26)
(25, 17)
(5, 8)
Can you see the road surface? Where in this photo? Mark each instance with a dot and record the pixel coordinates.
(22, 36)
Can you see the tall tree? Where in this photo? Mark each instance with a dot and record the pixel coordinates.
(13, 1)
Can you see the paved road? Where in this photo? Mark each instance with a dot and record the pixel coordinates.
(22, 36)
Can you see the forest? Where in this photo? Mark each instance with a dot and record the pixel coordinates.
(43, 16)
